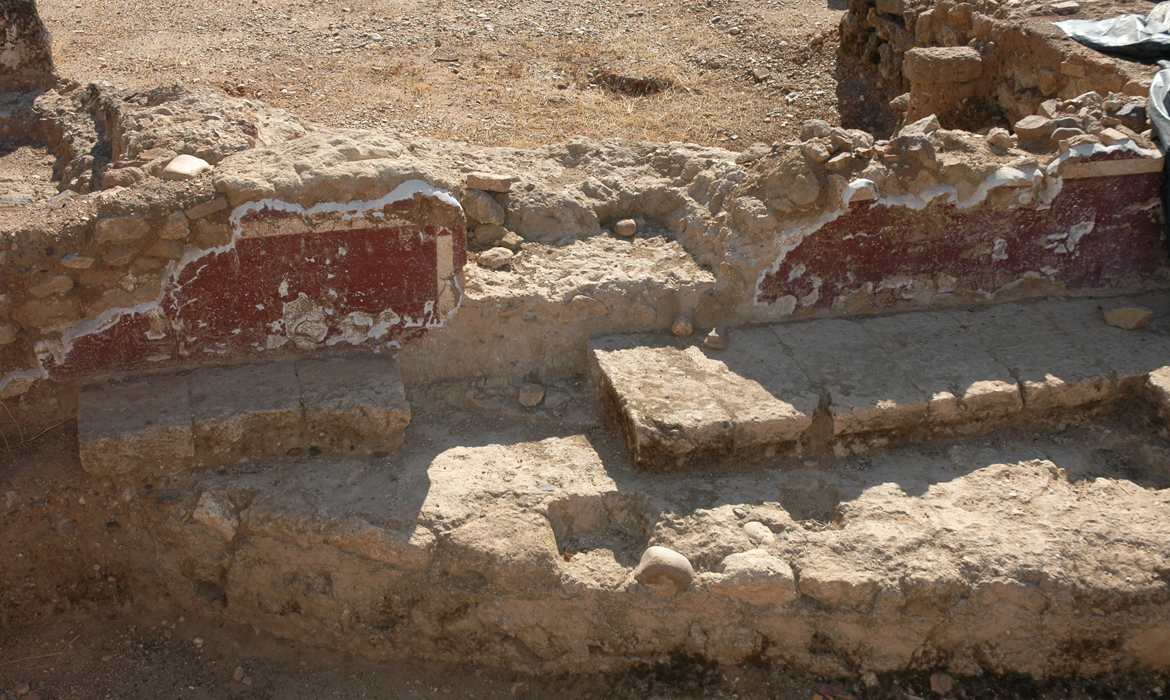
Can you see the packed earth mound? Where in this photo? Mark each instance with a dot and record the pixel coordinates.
(864, 399)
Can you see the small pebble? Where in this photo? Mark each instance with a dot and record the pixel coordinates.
(682, 326)
(625, 228)
(942, 683)
(531, 395)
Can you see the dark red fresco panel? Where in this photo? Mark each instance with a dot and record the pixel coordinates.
(225, 305)
(874, 243)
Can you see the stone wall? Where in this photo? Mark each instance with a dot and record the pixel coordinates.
(26, 62)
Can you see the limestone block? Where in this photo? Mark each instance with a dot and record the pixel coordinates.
(249, 411)
(481, 208)
(120, 229)
(138, 426)
(353, 404)
(1053, 371)
(839, 356)
(757, 578)
(511, 548)
(680, 404)
(963, 382)
(942, 64)
(489, 182)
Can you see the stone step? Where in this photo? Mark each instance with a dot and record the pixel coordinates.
(874, 380)
(167, 423)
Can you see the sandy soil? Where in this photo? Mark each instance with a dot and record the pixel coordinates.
(497, 73)
(168, 655)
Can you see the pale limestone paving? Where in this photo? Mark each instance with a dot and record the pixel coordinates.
(140, 425)
(1128, 354)
(964, 383)
(353, 404)
(248, 411)
(679, 403)
(867, 391)
(1053, 371)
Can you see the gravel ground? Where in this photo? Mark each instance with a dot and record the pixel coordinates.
(519, 73)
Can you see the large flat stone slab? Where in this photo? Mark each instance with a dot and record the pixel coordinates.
(248, 411)
(964, 382)
(867, 390)
(144, 424)
(1129, 355)
(1054, 372)
(681, 404)
(353, 404)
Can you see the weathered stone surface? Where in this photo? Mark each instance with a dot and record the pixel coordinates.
(838, 354)
(489, 234)
(120, 229)
(250, 411)
(664, 565)
(942, 64)
(962, 381)
(220, 517)
(506, 547)
(626, 228)
(756, 577)
(185, 167)
(175, 228)
(26, 62)
(481, 208)
(678, 404)
(1127, 356)
(353, 404)
(138, 426)
(1053, 372)
(495, 258)
(530, 395)
(1035, 131)
(207, 208)
(489, 182)
(1158, 390)
(50, 285)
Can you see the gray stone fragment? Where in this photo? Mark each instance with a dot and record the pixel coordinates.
(482, 208)
(531, 395)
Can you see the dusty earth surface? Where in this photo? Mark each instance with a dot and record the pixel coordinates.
(497, 73)
(133, 658)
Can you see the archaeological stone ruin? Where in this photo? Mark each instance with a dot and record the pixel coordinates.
(599, 404)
